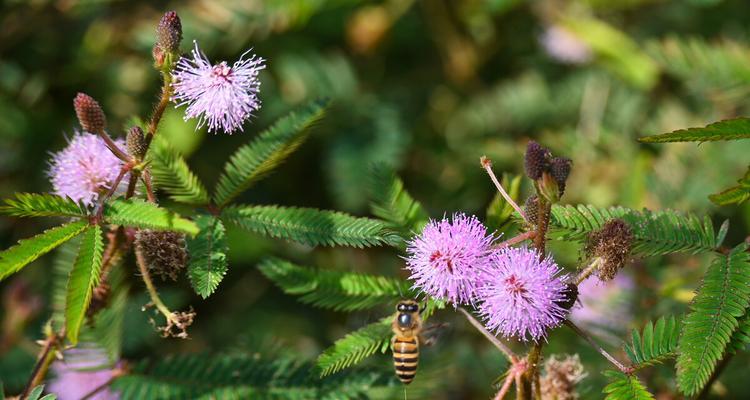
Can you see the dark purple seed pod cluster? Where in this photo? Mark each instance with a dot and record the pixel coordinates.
(539, 160)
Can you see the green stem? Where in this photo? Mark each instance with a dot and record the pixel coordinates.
(507, 352)
(44, 361)
(143, 267)
(598, 348)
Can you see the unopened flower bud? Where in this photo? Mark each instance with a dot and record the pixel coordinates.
(90, 114)
(560, 169)
(561, 375)
(536, 161)
(610, 247)
(531, 209)
(169, 32)
(165, 252)
(136, 143)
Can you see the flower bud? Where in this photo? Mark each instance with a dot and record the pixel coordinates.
(561, 375)
(536, 161)
(90, 114)
(169, 32)
(548, 188)
(531, 208)
(560, 169)
(165, 252)
(136, 143)
(610, 247)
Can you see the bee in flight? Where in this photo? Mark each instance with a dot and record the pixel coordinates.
(407, 326)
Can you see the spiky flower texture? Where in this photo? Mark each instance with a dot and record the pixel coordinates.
(220, 96)
(521, 295)
(85, 169)
(447, 258)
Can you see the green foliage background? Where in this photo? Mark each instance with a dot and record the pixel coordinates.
(446, 83)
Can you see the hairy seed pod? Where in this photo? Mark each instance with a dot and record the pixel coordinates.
(165, 252)
(610, 246)
(561, 375)
(169, 32)
(90, 114)
(136, 143)
(531, 208)
(536, 160)
(560, 169)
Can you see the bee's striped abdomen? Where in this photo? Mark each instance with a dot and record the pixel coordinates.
(405, 358)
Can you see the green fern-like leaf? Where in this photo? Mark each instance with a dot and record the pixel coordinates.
(41, 205)
(731, 129)
(355, 347)
(735, 194)
(341, 291)
(657, 343)
(257, 159)
(28, 250)
(392, 203)
(625, 387)
(721, 300)
(83, 279)
(656, 232)
(36, 394)
(208, 255)
(310, 226)
(191, 376)
(141, 214)
(172, 174)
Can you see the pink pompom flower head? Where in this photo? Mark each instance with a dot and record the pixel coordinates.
(221, 96)
(447, 258)
(85, 169)
(521, 296)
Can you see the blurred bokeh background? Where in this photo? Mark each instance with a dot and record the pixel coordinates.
(426, 86)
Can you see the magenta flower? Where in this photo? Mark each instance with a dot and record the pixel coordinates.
(85, 169)
(82, 371)
(519, 296)
(447, 258)
(218, 95)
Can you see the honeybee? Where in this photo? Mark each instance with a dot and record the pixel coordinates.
(407, 326)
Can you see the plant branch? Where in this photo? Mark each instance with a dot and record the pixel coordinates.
(624, 369)
(166, 94)
(113, 147)
(507, 352)
(155, 299)
(46, 356)
(146, 178)
(518, 239)
(586, 272)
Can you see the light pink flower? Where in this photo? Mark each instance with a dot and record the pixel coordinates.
(446, 260)
(85, 169)
(221, 96)
(82, 371)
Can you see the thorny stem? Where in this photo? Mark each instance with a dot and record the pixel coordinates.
(624, 369)
(142, 266)
(507, 352)
(487, 165)
(166, 94)
(43, 363)
(146, 177)
(517, 239)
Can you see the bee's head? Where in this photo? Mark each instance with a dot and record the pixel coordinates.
(407, 306)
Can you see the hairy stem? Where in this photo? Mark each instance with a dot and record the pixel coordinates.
(507, 352)
(506, 386)
(146, 178)
(487, 165)
(580, 332)
(590, 269)
(166, 94)
(46, 356)
(518, 239)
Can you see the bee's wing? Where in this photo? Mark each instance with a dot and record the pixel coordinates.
(431, 333)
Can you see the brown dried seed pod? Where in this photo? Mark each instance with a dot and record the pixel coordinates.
(90, 114)
(561, 375)
(611, 245)
(165, 252)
